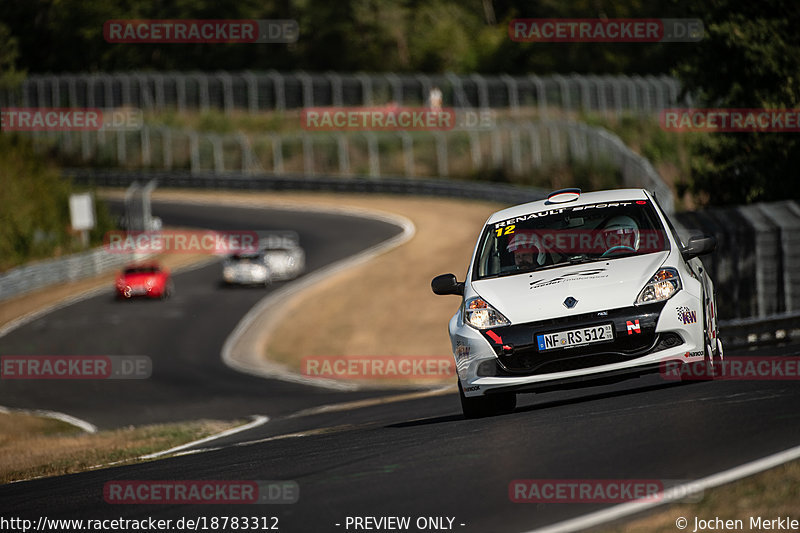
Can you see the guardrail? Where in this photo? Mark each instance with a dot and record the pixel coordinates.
(775, 329)
(278, 91)
(501, 193)
(73, 267)
(756, 268)
(518, 149)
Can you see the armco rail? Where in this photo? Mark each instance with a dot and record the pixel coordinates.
(515, 148)
(60, 270)
(775, 329)
(385, 185)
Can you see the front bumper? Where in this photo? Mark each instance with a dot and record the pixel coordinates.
(134, 291)
(508, 359)
(247, 276)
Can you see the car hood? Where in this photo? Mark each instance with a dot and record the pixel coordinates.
(598, 286)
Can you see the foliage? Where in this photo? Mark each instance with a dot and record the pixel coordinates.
(750, 58)
(34, 216)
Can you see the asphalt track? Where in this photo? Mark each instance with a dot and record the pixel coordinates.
(415, 458)
(183, 336)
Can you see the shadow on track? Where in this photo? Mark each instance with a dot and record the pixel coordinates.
(546, 405)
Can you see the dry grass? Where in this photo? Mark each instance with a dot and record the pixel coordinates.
(769, 495)
(32, 446)
(386, 307)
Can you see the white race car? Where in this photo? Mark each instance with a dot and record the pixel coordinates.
(578, 290)
(278, 257)
(247, 268)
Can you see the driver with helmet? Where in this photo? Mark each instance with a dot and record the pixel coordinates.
(621, 233)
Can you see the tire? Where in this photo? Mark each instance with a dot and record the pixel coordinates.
(482, 406)
(167, 292)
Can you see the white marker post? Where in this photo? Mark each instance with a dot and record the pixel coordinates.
(81, 212)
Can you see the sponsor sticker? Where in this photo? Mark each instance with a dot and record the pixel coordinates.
(633, 327)
(686, 315)
(558, 211)
(593, 273)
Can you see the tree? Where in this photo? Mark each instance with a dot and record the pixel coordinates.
(749, 58)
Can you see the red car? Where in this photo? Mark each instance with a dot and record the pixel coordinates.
(150, 280)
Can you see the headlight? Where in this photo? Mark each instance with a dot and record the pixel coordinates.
(662, 286)
(227, 272)
(481, 315)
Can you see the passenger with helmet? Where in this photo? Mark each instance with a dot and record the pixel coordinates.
(528, 252)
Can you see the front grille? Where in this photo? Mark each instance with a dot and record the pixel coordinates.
(518, 354)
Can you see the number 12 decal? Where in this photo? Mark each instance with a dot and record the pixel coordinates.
(508, 230)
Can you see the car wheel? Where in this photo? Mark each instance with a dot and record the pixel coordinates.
(481, 406)
(167, 292)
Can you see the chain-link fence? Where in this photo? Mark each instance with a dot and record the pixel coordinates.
(278, 91)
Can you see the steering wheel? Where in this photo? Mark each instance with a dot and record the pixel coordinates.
(615, 248)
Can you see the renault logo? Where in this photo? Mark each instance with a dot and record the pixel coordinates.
(570, 302)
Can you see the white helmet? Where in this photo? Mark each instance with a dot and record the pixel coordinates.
(627, 230)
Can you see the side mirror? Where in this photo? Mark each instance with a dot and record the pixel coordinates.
(447, 284)
(699, 246)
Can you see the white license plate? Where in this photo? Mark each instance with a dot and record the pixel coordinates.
(575, 337)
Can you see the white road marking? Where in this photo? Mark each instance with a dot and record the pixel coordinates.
(83, 425)
(630, 508)
(257, 421)
(247, 360)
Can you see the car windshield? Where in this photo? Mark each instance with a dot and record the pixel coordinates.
(569, 234)
(245, 258)
(141, 270)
